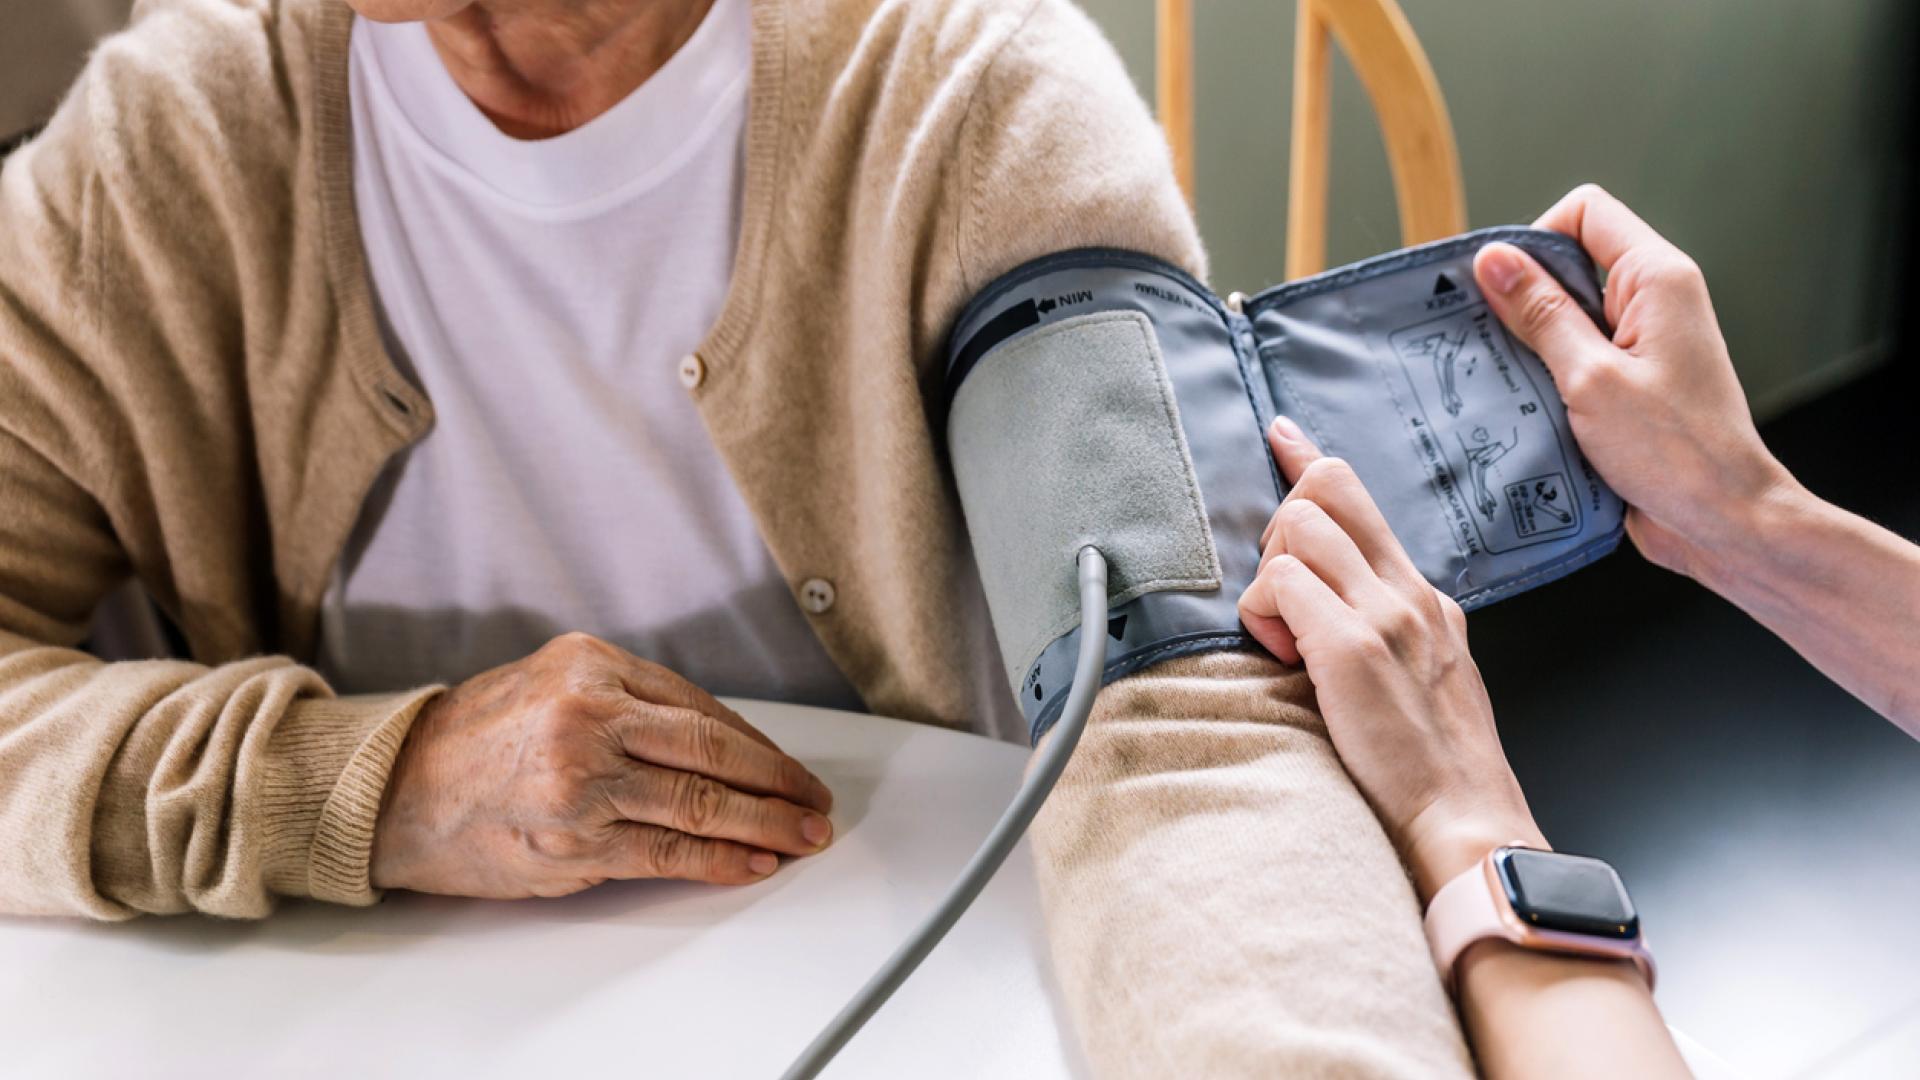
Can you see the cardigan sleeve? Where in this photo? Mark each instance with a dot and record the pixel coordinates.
(142, 786)
(1220, 899)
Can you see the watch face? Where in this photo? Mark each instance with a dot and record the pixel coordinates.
(1569, 893)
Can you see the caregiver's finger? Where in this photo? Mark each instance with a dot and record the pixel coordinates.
(1290, 593)
(1293, 451)
(1602, 224)
(1309, 534)
(1332, 485)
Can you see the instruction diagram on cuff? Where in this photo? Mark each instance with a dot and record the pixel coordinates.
(1480, 419)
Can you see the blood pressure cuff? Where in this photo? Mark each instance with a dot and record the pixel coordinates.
(1108, 398)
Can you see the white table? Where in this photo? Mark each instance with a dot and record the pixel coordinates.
(640, 979)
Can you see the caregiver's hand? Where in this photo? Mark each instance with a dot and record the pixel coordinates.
(1659, 413)
(1405, 707)
(1657, 409)
(582, 763)
(1387, 654)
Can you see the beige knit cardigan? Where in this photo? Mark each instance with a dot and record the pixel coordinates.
(193, 392)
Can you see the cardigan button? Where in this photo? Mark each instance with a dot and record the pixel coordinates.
(693, 371)
(816, 595)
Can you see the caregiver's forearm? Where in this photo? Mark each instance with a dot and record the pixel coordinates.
(1535, 1014)
(1841, 590)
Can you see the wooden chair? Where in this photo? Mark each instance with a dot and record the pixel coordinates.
(1406, 98)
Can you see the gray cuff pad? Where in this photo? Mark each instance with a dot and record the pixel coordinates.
(1057, 460)
(1106, 397)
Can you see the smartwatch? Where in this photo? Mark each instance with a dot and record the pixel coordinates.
(1547, 901)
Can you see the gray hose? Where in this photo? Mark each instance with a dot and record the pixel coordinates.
(1006, 832)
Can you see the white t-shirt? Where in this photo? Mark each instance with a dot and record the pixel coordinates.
(545, 293)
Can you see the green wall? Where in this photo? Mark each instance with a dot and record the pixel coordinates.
(1765, 137)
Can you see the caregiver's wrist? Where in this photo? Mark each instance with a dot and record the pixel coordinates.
(1750, 539)
(1443, 842)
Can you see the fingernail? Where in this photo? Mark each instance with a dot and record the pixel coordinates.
(762, 863)
(1504, 267)
(816, 829)
(1286, 430)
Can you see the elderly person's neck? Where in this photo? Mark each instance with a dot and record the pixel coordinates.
(540, 68)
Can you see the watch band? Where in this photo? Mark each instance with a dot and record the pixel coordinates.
(1473, 907)
(1462, 912)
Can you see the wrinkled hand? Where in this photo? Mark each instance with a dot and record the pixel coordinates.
(1657, 409)
(582, 763)
(1387, 653)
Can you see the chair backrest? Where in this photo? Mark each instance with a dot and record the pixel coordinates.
(1406, 99)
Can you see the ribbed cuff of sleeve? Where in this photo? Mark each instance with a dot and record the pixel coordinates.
(330, 759)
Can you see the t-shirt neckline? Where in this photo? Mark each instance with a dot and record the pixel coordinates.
(627, 150)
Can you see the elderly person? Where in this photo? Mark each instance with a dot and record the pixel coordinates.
(479, 386)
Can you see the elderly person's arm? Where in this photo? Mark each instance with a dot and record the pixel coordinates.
(135, 787)
(1220, 898)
